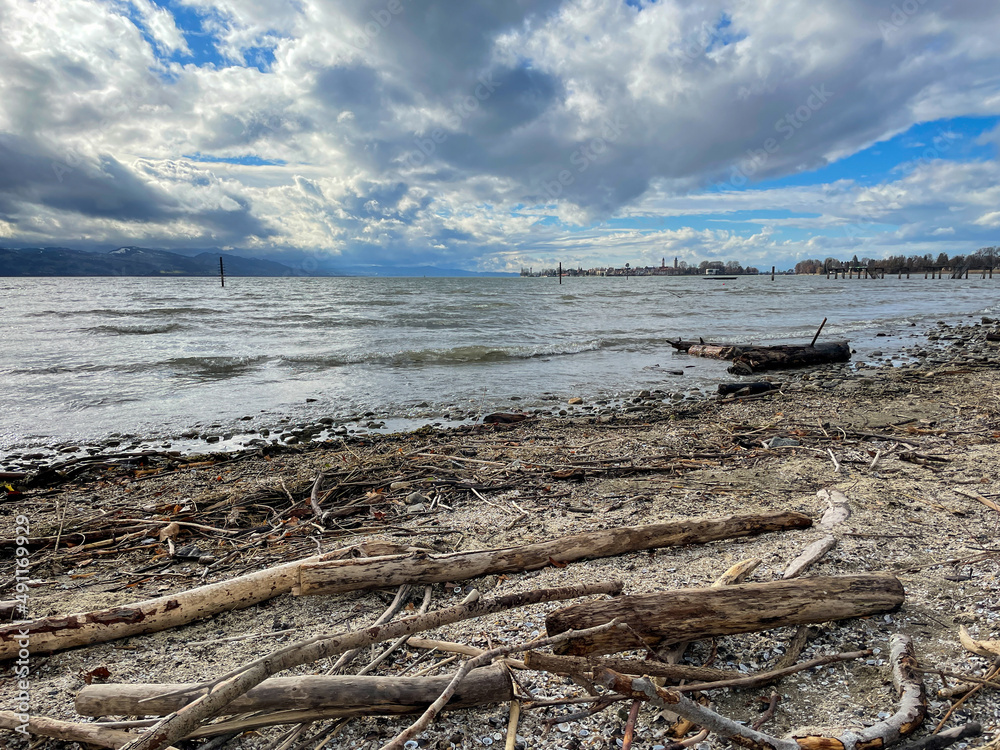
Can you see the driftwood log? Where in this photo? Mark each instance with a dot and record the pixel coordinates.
(674, 672)
(337, 576)
(89, 734)
(336, 696)
(59, 632)
(748, 359)
(689, 614)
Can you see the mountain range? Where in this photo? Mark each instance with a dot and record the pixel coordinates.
(129, 261)
(141, 261)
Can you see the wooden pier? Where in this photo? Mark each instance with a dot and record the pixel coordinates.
(879, 272)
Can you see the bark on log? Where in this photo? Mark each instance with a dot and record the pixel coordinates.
(376, 572)
(762, 358)
(59, 632)
(576, 665)
(337, 695)
(688, 614)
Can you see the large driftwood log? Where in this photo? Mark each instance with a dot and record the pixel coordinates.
(748, 359)
(337, 695)
(60, 632)
(762, 358)
(688, 614)
(348, 575)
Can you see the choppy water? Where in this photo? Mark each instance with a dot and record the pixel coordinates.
(83, 358)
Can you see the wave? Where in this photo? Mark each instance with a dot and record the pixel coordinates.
(114, 313)
(458, 355)
(212, 368)
(137, 330)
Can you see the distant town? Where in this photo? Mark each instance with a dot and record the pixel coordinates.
(983, 259)
(679, 268)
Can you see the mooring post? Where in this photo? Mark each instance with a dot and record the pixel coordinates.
(222, 273)
(772, 273)
(560, 272)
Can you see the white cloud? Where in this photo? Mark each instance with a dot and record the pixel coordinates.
(481, 134)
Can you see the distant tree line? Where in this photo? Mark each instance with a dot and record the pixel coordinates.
(984, 257)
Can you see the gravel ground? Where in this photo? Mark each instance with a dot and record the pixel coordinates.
(910, 445)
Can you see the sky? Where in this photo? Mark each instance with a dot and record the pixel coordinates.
(492, 135)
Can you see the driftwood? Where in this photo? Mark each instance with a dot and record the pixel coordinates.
(341, 695)
(232, 685)
(576, 665)
(909, 716)
(748, 359)
(688, 614)
(711, 679)
(338, 576)
(809, 556)
(88, 734)
(59, 632)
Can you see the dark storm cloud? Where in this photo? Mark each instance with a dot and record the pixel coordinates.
(32, 174)
(35, 178)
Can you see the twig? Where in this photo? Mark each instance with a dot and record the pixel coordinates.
(402, 594)
(772, 706)
(836, 464)
(947, 737)
(515, 714)
(399, 641)
(633, 714)
(765, 677)
(957, 704)
(314, 497)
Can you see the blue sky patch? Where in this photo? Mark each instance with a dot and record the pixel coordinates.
(249, 160)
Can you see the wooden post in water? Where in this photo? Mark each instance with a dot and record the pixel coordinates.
(772, 273)
(813, 342)
(222, 273)
(560, 272)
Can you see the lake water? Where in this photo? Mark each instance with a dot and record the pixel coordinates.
(81, 359)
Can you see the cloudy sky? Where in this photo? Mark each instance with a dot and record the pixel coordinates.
(495, 134)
